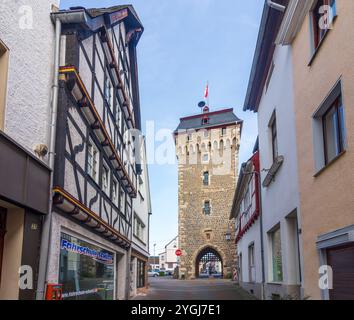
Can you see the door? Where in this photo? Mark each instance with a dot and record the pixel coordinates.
(342, 262)
(31, 250)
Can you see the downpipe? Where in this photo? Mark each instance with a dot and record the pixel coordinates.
(45, 248)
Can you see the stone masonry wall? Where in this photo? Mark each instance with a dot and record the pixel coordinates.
(198, 231)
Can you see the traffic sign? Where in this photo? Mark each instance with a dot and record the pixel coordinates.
(178, 252)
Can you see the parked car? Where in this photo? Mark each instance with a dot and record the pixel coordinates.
(153, 273)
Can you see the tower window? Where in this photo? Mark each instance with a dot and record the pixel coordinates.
(206, 178)
(207, 209)
(205, 120)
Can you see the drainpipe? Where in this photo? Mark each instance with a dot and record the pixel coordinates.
(276, 6)
(261, 230)
(46, 231)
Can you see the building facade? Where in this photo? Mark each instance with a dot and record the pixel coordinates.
(246, 211)
(98, 235)
(26, 78)
(154, 263)
(318, 33)
(271, 94)
(141, 225)
(168, 259)
(207, 146)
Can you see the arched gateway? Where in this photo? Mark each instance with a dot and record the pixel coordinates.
(209, 264)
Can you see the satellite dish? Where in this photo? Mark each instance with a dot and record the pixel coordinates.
(201, 104)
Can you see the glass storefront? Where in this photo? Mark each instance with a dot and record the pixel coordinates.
(86, 271)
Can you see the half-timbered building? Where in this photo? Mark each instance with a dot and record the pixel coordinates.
(96, 167)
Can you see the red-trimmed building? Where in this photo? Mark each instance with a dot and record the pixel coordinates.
(246, 211)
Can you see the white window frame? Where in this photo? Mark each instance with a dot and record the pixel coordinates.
(109, 86)
(115, 192)
(105, 178)
(122, 199)
(93, 166)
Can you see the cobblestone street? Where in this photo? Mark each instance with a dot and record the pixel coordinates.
(202, 289)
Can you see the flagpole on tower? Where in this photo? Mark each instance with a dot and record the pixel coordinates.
(206, 94)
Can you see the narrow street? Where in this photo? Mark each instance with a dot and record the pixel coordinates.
(202, 289)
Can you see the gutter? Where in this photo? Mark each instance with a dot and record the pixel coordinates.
(276, 6)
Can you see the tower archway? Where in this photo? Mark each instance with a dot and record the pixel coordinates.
(209, 263)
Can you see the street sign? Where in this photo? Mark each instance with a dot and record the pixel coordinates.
(178, 252)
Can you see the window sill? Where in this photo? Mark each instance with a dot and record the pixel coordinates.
(314, 54)
(318, 173)
(275, 283)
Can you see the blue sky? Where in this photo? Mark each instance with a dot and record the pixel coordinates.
(185, 44)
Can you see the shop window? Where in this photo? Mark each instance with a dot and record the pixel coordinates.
(4, 62)
(276, 254)
(86, 270)
(93, 161)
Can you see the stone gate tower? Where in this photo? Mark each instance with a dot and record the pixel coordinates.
(207, 147)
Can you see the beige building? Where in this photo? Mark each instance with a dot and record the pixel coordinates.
(319, 33)
(207, 146)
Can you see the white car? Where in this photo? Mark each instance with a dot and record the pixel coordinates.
(153, 274)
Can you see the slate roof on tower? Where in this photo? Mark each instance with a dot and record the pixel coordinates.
(216, 118)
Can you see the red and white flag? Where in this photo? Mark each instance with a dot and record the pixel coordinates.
(206, 92)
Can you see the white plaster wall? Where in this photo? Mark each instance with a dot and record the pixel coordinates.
(171, 251)
(281, 197)
(141, 208)
(253, 235)
(28, 100)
